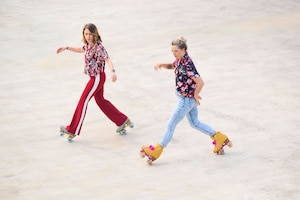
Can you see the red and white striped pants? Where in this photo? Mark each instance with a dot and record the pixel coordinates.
(94, 88)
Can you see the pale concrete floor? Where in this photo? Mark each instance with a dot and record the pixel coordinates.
(247, 53)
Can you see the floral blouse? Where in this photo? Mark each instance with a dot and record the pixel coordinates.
(185, 70)
(94, 59)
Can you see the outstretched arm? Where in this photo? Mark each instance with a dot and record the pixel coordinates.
(166, 66)
(74, 49)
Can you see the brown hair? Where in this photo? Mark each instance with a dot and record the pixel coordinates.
(93, 29)
(180, 42)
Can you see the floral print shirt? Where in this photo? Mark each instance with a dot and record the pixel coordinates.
(185, 70)
(94, 59)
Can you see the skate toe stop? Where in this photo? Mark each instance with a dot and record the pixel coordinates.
(149, 162)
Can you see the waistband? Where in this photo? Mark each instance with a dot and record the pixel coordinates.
(183, 94)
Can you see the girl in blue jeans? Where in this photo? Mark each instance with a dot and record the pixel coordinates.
(188, 87)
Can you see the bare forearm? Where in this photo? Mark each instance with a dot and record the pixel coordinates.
(112, 70)
(199, 85)
(110, 65)
(75, 49)
(166, 66)
(198, 89)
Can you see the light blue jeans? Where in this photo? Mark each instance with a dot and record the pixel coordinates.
(185, 107)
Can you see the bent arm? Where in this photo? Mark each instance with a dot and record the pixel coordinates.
(112, 70)
(110, 64)
(199, 85)
(199, 82)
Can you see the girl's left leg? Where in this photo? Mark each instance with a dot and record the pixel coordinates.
(107, 107)
(219, 138)
(195, 123)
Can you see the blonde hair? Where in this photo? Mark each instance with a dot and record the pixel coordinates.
(180, 42)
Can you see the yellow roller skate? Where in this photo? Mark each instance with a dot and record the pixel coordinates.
(151, 152)
(220, 140)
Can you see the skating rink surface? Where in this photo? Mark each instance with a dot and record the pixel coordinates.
(247, 52)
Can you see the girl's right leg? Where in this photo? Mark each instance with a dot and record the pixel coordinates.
(181, 110)
(79, 114)
(183, 107)
(179, 113)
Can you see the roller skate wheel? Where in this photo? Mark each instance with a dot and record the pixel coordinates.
(131, 125)
(70, 139)
(61, 132)
(142, 154)
(221, 152)
(123, 132)
(149, 162)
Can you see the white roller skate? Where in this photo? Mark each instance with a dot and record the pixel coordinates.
(122, 129)
(63, 131)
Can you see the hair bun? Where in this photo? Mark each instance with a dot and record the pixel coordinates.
(180, 41)
(181, 38)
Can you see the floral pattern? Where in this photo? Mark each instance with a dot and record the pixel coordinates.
(185, 70)
(94, 59)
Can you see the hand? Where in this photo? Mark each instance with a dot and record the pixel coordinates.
(113, 76)
(197, 98)
(156, 67)
(61, 49)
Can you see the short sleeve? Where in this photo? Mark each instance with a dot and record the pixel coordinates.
(191, 70)
(102, 52)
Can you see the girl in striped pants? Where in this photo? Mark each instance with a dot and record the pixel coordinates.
(95, 57)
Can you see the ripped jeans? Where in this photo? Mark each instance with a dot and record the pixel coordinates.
(185, 107)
